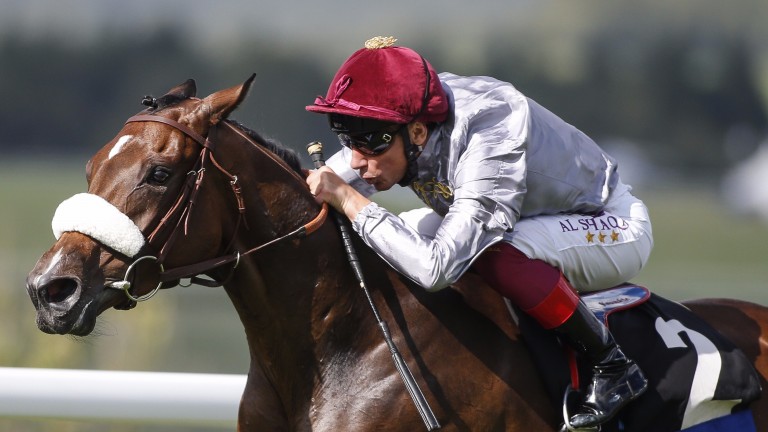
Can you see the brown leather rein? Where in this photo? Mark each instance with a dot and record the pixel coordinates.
(182, 209)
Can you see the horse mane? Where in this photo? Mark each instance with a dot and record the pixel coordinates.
(290, 156)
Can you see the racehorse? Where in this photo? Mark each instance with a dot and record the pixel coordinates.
(183, 191)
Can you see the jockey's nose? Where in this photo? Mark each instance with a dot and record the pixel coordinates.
(358, 160)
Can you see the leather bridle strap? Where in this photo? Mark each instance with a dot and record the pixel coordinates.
(186, 130)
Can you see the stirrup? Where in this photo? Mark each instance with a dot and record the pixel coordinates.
(566, 427)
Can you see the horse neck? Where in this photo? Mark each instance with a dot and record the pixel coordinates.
(291, 299)
(275, 197)
(292, 293)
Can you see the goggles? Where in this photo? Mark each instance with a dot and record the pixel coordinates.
(373, 143)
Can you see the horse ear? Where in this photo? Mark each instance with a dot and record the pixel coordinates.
(182, 91)
(185, 90)
(223, 102)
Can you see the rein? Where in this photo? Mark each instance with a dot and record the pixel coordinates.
(182, 209)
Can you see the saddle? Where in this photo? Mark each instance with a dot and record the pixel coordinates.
(698, 380)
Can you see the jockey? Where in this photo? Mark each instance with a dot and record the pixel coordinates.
(516, 194)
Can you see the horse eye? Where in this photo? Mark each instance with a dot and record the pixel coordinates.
(159, 175)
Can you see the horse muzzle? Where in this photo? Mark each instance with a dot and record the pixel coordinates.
(60, 304)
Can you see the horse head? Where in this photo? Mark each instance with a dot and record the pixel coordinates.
(158, 200)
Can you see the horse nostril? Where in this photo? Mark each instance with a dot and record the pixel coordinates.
(58, 290)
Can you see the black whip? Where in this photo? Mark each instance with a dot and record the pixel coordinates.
(315, 150)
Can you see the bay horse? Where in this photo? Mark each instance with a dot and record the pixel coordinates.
(182, 191)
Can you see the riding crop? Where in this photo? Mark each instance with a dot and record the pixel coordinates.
(315, 150)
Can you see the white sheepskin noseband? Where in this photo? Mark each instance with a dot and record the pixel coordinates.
(93, 216)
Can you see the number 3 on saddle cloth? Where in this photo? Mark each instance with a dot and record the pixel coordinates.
(698, 380)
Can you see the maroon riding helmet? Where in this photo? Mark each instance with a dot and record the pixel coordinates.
(384, 84)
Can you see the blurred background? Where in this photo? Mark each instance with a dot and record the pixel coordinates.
(676, 91)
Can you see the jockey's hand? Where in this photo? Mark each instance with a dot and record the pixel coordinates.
(328, 187)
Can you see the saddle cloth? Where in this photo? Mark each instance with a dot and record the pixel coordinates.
(695, 375)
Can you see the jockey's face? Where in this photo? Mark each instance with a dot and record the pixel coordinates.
(382, 171)
(386, 169)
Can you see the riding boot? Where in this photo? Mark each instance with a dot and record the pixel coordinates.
(616, 380)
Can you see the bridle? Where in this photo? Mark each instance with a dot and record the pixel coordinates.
(177, 217)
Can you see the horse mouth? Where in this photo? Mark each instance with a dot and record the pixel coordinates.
(78, 321)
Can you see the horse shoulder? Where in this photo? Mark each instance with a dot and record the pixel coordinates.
(481, 372)
(462, 346)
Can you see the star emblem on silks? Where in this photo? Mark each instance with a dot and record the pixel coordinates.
(590, 237)
(614, 236)
(601, 237)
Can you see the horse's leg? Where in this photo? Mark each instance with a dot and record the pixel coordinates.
(260, 408)
(746, 325)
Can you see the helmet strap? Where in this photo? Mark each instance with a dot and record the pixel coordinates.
(412, 152)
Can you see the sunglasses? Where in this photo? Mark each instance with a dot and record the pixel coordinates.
(372, 143)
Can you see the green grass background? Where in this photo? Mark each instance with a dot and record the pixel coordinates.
(701, 250)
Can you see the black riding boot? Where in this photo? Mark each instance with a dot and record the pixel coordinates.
(616, 380)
